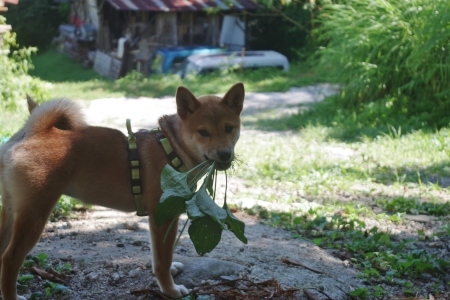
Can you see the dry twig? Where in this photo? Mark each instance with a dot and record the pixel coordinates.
(51, 275)
(308, 294)
(299, 264)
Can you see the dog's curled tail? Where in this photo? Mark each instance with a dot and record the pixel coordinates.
(61, 114)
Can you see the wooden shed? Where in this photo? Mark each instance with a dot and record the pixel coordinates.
(161, 22)
(148, 24)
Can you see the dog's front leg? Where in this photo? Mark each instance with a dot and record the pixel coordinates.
(163, 240)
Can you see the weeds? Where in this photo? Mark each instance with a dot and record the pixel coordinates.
(65, 207)
(52, 273)
(392, 58)
(415, 207)
(381, 257)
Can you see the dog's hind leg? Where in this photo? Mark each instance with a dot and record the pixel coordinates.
(31, 214)
(163, 241)
(6, 222)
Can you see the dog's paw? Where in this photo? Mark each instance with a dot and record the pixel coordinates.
(177, 291)
(176, 268)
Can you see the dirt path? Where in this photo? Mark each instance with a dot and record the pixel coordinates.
(109, 252)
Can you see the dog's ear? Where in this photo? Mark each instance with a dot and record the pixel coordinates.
(234, 98)
(186, 102)
(31, 103)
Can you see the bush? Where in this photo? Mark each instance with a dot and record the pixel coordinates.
(14, 66)
(391, 54)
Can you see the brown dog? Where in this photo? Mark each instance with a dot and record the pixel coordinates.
(57, 153)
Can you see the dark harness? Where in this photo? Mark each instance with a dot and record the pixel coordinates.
(174, 160)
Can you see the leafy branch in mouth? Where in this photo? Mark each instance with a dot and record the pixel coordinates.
(208, 220)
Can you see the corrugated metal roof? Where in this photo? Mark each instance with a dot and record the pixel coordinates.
(182, 5)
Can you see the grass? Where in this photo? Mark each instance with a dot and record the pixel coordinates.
(314, 164)
(70, 80)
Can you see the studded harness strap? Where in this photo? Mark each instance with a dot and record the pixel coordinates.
(174, 160)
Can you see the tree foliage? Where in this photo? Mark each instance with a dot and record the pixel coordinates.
(15, 63)
(36, 22)
(284, 26)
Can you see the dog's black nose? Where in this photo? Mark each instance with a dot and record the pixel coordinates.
(224, 155)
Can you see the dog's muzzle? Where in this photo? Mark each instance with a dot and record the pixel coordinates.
(223, 159)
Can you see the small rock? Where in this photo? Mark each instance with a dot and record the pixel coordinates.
(134, 273)
(137, 243)
(347, 263)
(92, 276)
(120, 245)
(436, 245)
(116, 276)
(131, 226)
(87, 271)
(198, 269)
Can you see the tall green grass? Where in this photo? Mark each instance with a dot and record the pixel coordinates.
(392, 57)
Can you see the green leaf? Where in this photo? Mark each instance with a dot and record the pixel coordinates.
(235, 226)
(28, 263)
(360, 292)
(318, 241)
(193, 210)
(25, 278)
(205, 234)
(174, 181)
(41, 258)
(173, 194)
(169, 209)
(54, 288)
(209, 207)
(37, 295)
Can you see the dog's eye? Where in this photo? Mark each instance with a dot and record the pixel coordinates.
(229, 128)
(203, 133)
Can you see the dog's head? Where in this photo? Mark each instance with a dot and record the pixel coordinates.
(211, 125)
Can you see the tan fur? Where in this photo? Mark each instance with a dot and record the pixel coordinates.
(57, 153)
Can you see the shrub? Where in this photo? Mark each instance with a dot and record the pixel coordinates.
(391, 54)
(14, 66)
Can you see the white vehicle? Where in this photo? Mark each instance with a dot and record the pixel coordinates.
(203, 63)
